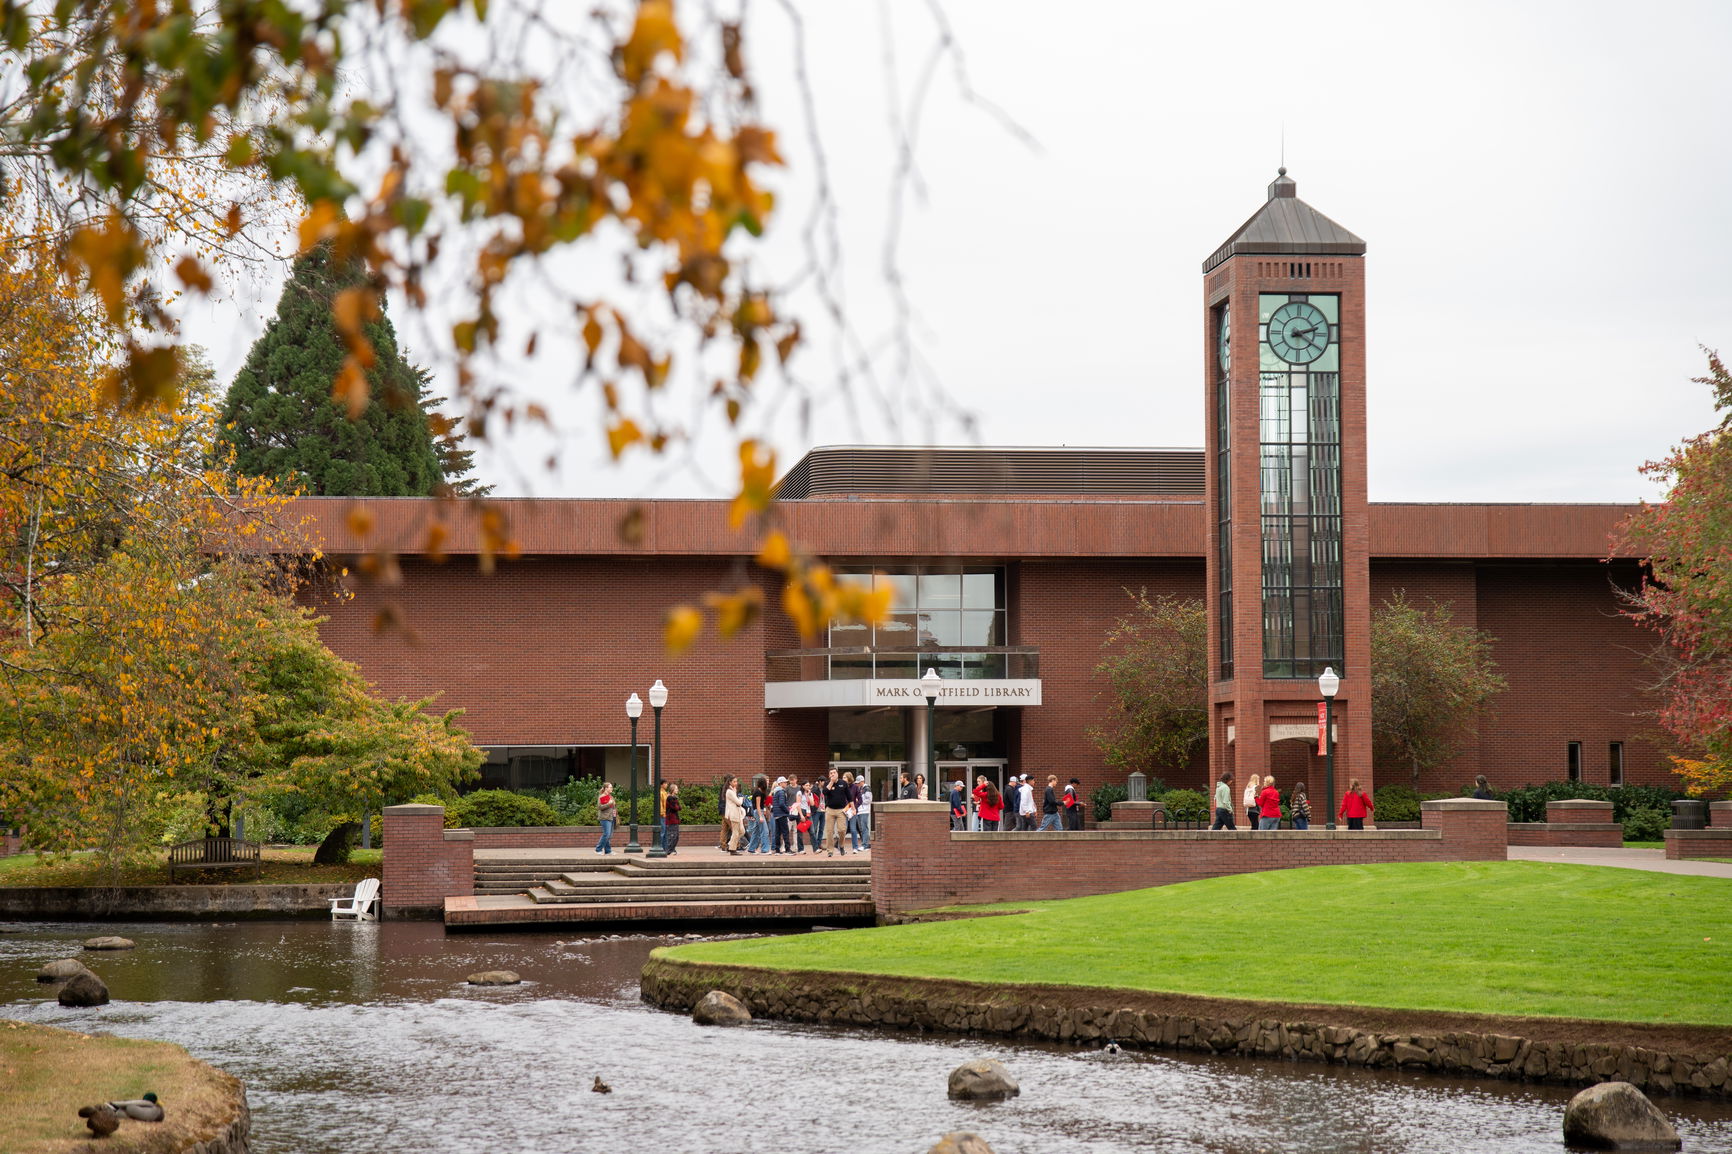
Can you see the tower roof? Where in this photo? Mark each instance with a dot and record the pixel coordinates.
(1286, 224)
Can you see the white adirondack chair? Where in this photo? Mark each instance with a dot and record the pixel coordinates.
(363, 906)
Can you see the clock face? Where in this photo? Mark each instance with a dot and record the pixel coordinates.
(1226, 349)
(1298, 332)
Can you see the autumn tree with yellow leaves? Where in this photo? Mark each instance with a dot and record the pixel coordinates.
(629, 137)
(148, 598)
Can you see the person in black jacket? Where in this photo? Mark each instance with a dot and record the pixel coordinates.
(839, 808)
(781, 804)
(1049, 815)
(958, 806)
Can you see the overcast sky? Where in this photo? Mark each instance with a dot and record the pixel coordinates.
(1543, 187)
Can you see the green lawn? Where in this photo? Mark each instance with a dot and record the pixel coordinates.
(1526, 938)
(283, 865)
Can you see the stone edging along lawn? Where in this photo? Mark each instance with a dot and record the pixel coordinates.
(1658, 1058)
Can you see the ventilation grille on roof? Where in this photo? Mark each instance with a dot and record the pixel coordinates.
(844, 470)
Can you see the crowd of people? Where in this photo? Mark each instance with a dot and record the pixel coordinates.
(1262, 804)
(833, 815)
(1015, 808)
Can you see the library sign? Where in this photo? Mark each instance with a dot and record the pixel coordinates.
(951, 693)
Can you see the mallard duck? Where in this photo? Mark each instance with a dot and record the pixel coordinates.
(143, 1109)
(102, 1119)
(601, 1087)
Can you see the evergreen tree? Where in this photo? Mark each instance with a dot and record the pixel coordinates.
(282, 422)
(456, 460)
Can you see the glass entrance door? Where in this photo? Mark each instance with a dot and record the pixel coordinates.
(995, 769)
(882, 775)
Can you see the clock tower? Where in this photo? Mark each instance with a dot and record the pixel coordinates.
(1288, 560)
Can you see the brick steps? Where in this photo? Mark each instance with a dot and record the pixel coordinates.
(790, 884)
(484, 912)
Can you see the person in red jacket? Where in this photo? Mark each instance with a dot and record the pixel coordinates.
(1355, 806)
(989, 803)
(1269, 805)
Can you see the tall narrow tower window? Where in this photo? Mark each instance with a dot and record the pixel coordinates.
(1299, 436)
(1224, 490)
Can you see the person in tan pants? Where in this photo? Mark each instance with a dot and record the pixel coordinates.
(839, 806)
(733, 816)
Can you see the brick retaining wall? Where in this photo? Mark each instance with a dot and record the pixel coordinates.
(917, 862)
(424, 863)
(1684, 844)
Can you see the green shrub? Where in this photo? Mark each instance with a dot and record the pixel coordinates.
(1629, 799)
(698, 804)
(499, 807)
(1394, 803)
(1102, 799)
(1528, 802)
(1647, 824)
(571, 799)
(1186, 805)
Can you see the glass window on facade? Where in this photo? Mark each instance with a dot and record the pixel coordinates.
(1299, 435)
(519, 767)
(938, 616)
(1615, 763)
(1574, 761)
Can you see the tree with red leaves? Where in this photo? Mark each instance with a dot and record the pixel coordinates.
(1686, 594)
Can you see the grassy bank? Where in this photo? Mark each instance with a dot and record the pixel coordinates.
(283, 865)
(49, 1074)
(1525, 938)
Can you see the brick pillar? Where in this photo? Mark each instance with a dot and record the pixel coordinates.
(910, 854)
(1473, 830)
(424, 863)
(1720, 815)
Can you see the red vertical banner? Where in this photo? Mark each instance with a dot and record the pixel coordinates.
(1322, 728)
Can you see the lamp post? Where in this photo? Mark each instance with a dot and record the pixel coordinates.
(633, 710)
(1329, 685)
(929, 685)
(658, 697)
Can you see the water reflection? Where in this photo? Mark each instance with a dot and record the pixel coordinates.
(359, 1038)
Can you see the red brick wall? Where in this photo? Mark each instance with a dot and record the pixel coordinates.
(918, 863)
(1542, 834)
(1575, 670)
(1066, 608)
(421, 866)
(1681, 844)
(545, 651)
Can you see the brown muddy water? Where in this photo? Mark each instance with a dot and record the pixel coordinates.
(360, 1038)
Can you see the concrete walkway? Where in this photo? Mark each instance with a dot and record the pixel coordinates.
(1653, 860)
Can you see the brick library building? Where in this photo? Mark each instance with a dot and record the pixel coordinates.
(1008, 566)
